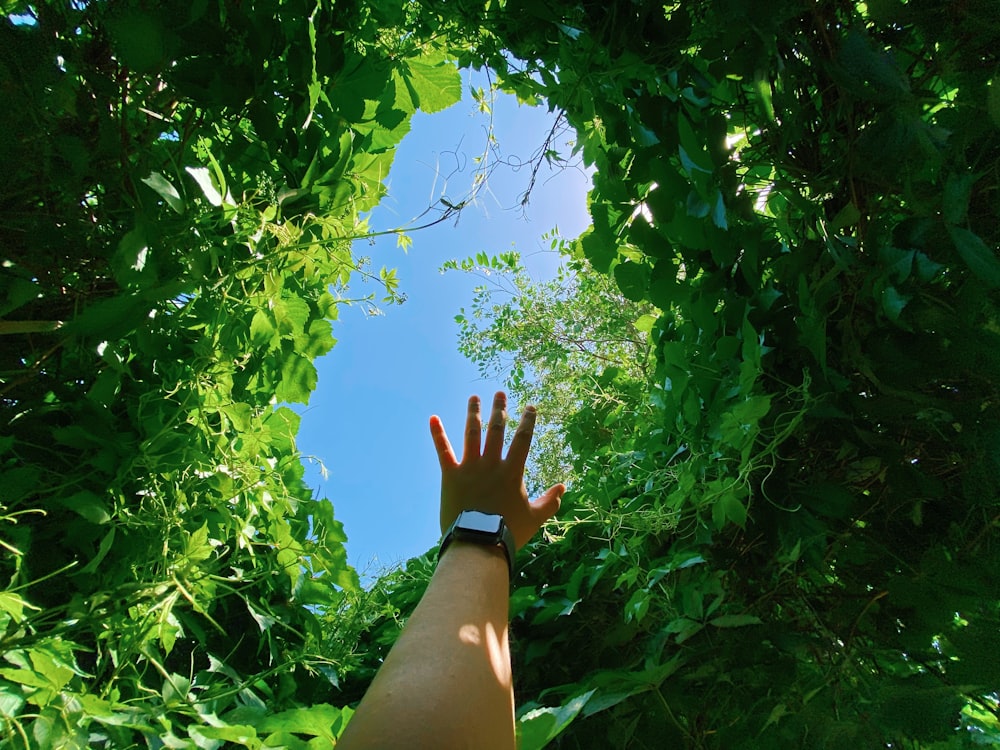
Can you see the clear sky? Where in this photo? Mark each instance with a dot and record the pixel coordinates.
(367, 420)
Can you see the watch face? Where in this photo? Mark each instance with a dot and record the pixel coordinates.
(484, 523)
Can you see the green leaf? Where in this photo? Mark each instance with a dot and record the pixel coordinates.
(241, 734)
(361, 79)
(196, 546)
(318, 339)
(18, 482)
(930, 711)
(871, 71)
(113, 317)
(645, 323)
(387, 128)
(317, 721)
(632, 279)
(176, 690)
(27, 677)
(17, 292)
(283, 424)
(980, 259)
(167, 631)
(599, 249)
(752, 410)
(729, 508)
(522, 599)
(664, 289)
(719, 211)
(684, 627)
(241, 415)
(139, 40)
(291, 314)
(777, 713)
(11, 699)
(298, 380)
(52, 664)
(262, 330)
(893, 302)
(131, 263)
(166, 190)
(13, 605)
(898, 263)
(204, 179)
(433, 86)
(539, 726)
(637, 606)
(692, 152)
(315, 86)
(848, 216)
(87, 504)
(102, 551)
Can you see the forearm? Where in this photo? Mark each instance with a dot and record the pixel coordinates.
(447, 683)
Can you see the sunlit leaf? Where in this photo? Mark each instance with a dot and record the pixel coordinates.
(432, 86)
(539, 726)
(165, 189)
(203, 178)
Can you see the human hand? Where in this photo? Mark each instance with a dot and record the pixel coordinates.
(485, 480)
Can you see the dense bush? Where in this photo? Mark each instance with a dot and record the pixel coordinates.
(176, 234)
(788, 537)
(783, 522)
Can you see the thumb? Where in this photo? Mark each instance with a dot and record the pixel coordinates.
(547, 505)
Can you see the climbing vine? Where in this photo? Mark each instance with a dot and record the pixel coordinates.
(177, 241)
(783, 518)
(788, 536)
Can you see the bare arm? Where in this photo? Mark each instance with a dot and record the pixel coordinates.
(447, 682)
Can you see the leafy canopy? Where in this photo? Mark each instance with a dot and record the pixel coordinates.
(785, 536)
(177, 239)
(782, 530)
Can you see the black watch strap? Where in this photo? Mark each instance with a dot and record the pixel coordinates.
(478, 527)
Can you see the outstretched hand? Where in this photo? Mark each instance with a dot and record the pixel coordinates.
(485, 480)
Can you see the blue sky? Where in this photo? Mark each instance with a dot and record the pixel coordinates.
(367, 420)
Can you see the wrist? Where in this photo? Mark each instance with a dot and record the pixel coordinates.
(481, 529)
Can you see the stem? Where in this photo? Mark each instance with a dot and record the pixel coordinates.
(670, 714)
(8, 327)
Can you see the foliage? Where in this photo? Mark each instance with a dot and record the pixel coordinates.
(548, 341)
(791, 539)
(805, 194)
(176, 242)
(782, 530)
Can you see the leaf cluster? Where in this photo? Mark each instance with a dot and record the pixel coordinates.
(176, 243)
(561, 344)
(788, 537)
(773, 358)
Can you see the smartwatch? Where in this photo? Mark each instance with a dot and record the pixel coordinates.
(481, 528)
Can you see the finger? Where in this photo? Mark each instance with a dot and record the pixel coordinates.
(547, 505)
(517, 455)
(495, 428)
(445, 453)
(473, 430)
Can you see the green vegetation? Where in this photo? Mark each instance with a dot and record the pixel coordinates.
(782, 427)
(177, 238)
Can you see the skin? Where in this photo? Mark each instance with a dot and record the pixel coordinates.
(447, 682)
